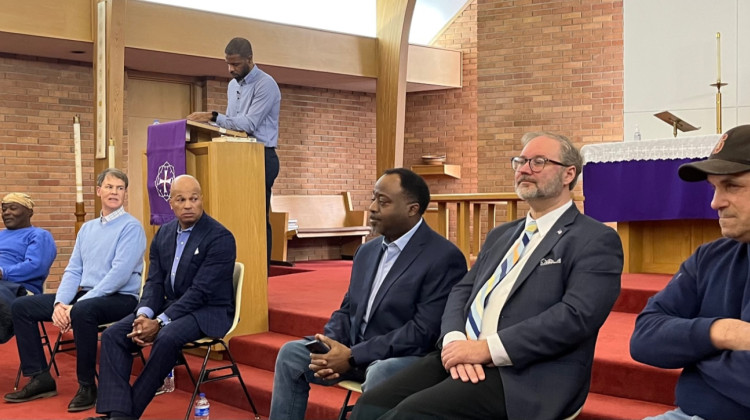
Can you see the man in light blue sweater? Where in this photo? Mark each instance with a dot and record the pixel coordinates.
(100, 285)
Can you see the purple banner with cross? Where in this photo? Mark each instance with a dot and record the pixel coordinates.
(165, 152)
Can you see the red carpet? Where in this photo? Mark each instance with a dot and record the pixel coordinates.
(300, 304)
(165, 406)
(302, 298)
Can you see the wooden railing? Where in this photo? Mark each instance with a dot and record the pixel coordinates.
(469, 213)
(468, 205)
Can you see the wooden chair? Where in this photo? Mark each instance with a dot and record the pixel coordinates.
(350, 386)
(209, 342)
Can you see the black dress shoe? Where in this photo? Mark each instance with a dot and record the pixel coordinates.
(40, 386)
(84, 399)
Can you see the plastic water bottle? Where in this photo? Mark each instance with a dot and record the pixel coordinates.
(169, 382)
(637, 134)
(201, 408)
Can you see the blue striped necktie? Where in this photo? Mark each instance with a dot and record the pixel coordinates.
(474, 320)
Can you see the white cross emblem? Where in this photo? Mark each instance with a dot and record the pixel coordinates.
(163, 181)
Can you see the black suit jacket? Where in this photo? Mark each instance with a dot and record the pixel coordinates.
(203, 282)
(551, 319)
(405, 316)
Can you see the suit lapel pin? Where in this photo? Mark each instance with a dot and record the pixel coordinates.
(196, 251)
(559, 232)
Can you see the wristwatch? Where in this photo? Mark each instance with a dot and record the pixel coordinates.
(214, 116)
(161, 322)
(352, 363)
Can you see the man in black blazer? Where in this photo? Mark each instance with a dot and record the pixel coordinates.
(523, 349)
(391, 313)
(188, 295)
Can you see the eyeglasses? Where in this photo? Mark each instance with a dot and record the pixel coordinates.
(536, 164)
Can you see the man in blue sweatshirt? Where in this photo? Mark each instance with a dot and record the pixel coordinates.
(101, 284)
(26, 255)
(700, 322)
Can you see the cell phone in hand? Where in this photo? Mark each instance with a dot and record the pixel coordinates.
(317, 347)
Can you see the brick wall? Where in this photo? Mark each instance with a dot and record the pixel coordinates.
(553, 65)
(445, 122)
(38, 100)
(326, 146)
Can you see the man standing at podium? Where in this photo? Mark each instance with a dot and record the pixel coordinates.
(253, 102)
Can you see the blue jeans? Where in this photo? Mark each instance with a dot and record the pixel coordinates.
(675, 414)
(292, 379)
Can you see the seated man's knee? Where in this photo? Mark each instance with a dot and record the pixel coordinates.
(381, 370)
(293, 354)
(19, 308)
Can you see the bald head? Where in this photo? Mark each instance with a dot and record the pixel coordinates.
(186, 200)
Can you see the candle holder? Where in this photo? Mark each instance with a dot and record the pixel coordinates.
(718, 86)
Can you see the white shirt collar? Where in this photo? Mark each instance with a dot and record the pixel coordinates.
(545, 223)
(404, 239)
(114, 215)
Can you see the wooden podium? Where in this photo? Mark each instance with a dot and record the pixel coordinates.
(231, 174)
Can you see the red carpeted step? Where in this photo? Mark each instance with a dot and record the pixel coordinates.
(636, 289)
(615, 373)
(325, 402)
(259, 350)
(606, 407)
(301, 304)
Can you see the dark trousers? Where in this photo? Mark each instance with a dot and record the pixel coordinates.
(271, 171)
(85, 318)
(9, 291)
(116, 395)
(425, 390)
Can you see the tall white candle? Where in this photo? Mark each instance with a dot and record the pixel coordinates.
(718, 57)
(77, 143)
(111, 153)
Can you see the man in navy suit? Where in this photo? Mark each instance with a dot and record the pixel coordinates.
(517, 338)
(188, 295)
(391, 313)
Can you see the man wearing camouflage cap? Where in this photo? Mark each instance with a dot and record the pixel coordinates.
(700, 322)
(26, 255)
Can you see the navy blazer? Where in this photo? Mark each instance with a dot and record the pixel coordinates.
(405, 316)
(551, 319)
(203, 283)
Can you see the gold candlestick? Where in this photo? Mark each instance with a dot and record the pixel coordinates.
(718, 86)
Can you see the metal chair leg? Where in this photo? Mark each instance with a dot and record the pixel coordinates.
(236, 371)
(45, 342)
(200, 381)
(345, 408)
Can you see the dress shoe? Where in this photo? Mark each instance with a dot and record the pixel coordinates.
(84, 399)
(40, 386)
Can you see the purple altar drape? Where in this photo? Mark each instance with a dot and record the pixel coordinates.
(644, 190)
(165, 153)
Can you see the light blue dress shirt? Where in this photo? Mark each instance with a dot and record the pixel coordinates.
(253, 107)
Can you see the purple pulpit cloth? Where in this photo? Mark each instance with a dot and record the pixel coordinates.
(640, 190)
(165, 152)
